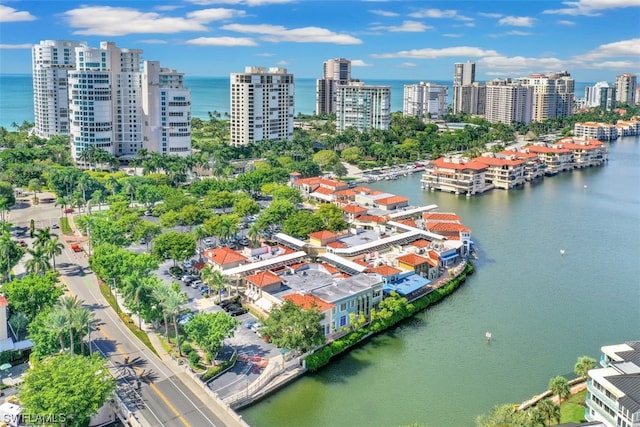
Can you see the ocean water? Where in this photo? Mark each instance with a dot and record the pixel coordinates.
(208, 94)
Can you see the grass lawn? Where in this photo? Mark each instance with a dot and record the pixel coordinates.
(572, 410)
(142, 336)
(64, 224)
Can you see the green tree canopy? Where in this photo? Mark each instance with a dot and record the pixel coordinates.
(174, 245)
(32, 293)
(65, 385)
(208, 330)
(301, 223)
(560, 387)
(583, 365)
(292, 327)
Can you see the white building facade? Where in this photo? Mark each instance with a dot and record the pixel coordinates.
(262, 105)
(626, 85)
(51, 62)
(425, 100)
(335, 72)
(553, 95)
(508, 102)
(363, 107)
(600, 94)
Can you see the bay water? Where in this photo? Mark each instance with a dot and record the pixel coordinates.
(543, 308)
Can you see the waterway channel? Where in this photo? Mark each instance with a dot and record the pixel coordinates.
(544, 309)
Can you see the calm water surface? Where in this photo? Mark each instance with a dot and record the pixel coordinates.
(543, 309)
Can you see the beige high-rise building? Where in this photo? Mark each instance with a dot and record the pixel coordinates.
(626, 85)
(425, 100)
(51, 62)
(468, 95)
(262, 105)
(553, 95)
(363, 107)
(336, 72)
(508, 102)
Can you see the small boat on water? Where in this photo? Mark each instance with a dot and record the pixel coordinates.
(488, 336)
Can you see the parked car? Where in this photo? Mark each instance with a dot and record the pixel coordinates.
(204, 290)
(69, 210)
(256, 327)
(187, 278)
(197, 283)
(187, 264)
(232, 307)
(185, 318)
(238, 312)
(55, 226)
(249, 323)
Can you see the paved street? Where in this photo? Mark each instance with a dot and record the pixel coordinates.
(164, 400)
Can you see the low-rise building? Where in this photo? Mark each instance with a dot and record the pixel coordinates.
(555, 158)
(456, 175)
(613, 391)
(223, 258)
(503, 172)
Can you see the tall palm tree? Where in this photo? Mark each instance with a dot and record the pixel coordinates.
(134, 289)
(67, 305)
(54, 247)
(173, 304)
(215, 279)
(549, 411)
(160, 293)
(58, 323)
(38, 263)
(82, 320)
(42, 236)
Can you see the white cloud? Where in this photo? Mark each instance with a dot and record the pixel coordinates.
(453, 35)
(521, 64)
(408, 65)
(222, 41)
(216, 14)
(117, 21)
(153, 41)
(384, 13)
(16, 46)
(430, 53)
(240, 2)
(278, 33)
(490, 15)
(359, 63)
(439, 13)
(406, 27)
(519, 33)
(565, 22)
(517, 21)
(9, 14)
(266, 54)
(613, 50)
(210, 2)
(615, 65)
(591, 7)
(167, 7)
(283, 62)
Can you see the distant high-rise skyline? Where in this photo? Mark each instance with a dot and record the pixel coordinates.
(363, 107)
(262, 105)
(626, 85)
(108, 98)
(425, 100)
(335, 72)
(508, 102)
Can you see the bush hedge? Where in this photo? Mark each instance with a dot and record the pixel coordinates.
(322, 356)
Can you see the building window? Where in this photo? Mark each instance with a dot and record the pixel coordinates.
(343, 306)
(343, 321)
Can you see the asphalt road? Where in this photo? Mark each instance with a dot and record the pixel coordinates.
(163, 399)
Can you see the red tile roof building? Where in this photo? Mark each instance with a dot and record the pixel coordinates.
(455, 175)
(223, 258)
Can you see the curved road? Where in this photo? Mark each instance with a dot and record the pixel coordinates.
(158, 396)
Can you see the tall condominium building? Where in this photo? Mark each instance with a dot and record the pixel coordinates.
(363, 107)
(626, 85)
(262, 105)
(600, 95)
(553, 95)
(166, 109)
(468, 95)
(336, 72)
(508, 102)
(112, 101)
(464, 73)
(105, 100)
(425, 100)
(470, 99)
(52, 60)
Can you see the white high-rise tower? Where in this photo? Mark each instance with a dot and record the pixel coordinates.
(51, 62)
(262, 105)
(336, 72)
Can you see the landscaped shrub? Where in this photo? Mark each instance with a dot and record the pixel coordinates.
(194, 357)
(321, 357)
(186, 348)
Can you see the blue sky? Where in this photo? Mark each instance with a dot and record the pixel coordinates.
(592, 39)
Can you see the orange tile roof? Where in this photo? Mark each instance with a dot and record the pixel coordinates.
(322, 235)
(372, 218)
(448, 226)
(422, 243)
(519, 154)
(392, 200)
(224, 255)
(441, 163)
(323, 190)
(409, 222)
(544, 150)
(337, 245)
(376, 192)
(3, 301)
(347, 192)
(361, 189)
(412, 259)
(264, 278)
(330, 268)
(308, 301)
(354, 209)
(361, 262)
(440, 216)
(385, 270)
(495, 161)
(308, 181)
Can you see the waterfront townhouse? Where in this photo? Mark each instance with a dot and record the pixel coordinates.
(318, 187)
(455, 175)
(628, 127)
(593, 130)
(421, 265)
(308, 302)
(533, 167)
(381, 200)
(405, 283)
(503, 172)
(351, 212)
(613, 391)
(586, 152)
(556, 159)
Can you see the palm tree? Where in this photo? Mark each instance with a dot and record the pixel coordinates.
(67, 305)
(560, 386)
(42, 236)
(82, 320)
(19, 323)
(134, 289)
(160, 293)
(38, 263)
(173, 304)
(215, 279)
(583, 365)
(58, 323)
(549, 411)
(54, 247)
(253, 234)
